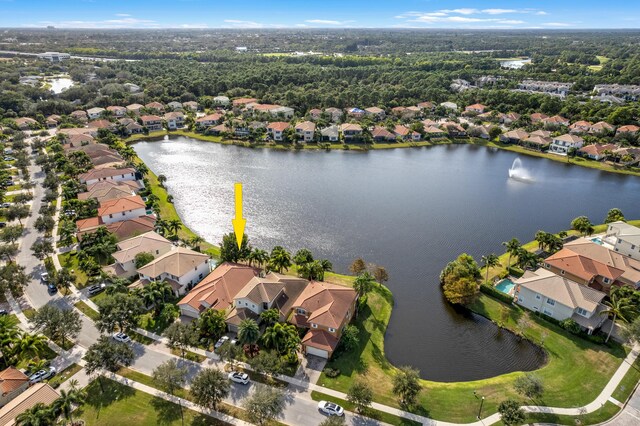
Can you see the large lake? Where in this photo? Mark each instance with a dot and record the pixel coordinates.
(410, 210)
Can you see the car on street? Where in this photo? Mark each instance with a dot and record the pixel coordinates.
(121, 337)
(3, 312)
(330, 408)
(52, 288)
(41, 375)
(6, 205)
(95, 289)
(44, 277)
(220, 342)
(239, 377)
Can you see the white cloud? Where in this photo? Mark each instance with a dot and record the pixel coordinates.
(235, 23)
(511, 21)
(498, 11)
(557, 24)
(541, 12)
(123, 14)
(194, 26)
(468, 16)
(462, 11)
(327, 22)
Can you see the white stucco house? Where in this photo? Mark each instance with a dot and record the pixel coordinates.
(107, 174)
(624, 238)
(95, 113)
(560, 298)
(181, 267)
(120, 209)
(149, 242)
(562, 144)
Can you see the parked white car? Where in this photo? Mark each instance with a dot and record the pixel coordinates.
(41, 375)
(330, 408)
(238, 377)
(220, 342)
(121, 337)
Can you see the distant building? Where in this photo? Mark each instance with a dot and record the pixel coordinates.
(54, 56)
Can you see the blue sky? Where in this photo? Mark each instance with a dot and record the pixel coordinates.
(558, 14)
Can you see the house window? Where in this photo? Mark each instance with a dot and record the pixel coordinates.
(547, 312)
(582, 312)
(562, 272)
(537, 296)
(551, 302)
(633, 246)
(265, 305)
(253, 306)
(332, 330)
(314, 325)
(200, 276)
(111, 216)
(606, 280)
(123, 213)
(546, 265)
(301, 311)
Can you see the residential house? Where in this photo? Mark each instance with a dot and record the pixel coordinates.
(155, 107)
(629, 92)
(405, 133)
(217, 290)
(125, 257)
(455, 130)
(111, 159)
(135, 108)
(109, 190)
(26, 123)
(426, 106)
(629, 129)
(181, 268)
(537, 117)
(375, 112)
(113, 174)
(39, 393)
(434, 132)
(117, 111)
(77, 140)
(594, 265)
(601, 128)
(624, 238)
(355, 112)
(120, 209)
(315, 114)
(193, 105)
(336, 114)
(596, 151)
(53, 120)
(541, 133)
(102, 124)
(175, 106)
(132, 227)
(95, 113)
(12, 383)
(152, 122)
(381, 134)
(580, 127)
(475, 108)
(330, 134)
(509, 118)
(306, 131)
(514, 136)
(174, 119)
(223, 101)
(560, 298)
(449, 105)
(351, 131)
(555, 121)
(133, 128)
(208, 120)
(277, 130)
(548, 87)
(79, 116)
(536, 142)
(238, 103)
(561, 145)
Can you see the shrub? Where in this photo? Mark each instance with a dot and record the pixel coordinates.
(491, 291)
(571, 326)
(331, 372)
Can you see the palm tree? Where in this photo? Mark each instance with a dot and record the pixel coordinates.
(490, 261)
(161, 180)
(162, 226)
(29, 345)
(260, 257)
(155, 294)
(195, 242)
(281, 337)
(248, 332)
(38, 415)
(174, 226)
(541, 237)
(619, 307)
(363, 283)
(66, 402)
(280, 259)
(512, 247)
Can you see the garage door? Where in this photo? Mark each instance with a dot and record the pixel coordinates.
(317, 352)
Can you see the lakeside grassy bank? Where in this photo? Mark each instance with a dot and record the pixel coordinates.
(578, 161)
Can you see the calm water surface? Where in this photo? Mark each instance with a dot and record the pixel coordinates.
(410, 210)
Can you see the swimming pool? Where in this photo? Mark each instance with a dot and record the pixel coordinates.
(597, 240)
(506, 286)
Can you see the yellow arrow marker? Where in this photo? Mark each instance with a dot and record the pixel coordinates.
(239, 222)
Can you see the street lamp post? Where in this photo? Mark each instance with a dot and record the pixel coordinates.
(481, 398)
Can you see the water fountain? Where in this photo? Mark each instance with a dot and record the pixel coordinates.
(518, 172)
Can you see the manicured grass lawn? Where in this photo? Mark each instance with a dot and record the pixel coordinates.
(64, 375)
(140, 338)
(374, 414)
(87, 310)
(191, 356)
(574, 375)
(605, 413)
(154, 325)
(70, 260)
(122, 405)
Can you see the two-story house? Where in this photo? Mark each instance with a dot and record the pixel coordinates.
(306, 131)
(562, 144)
(117, 111)
(208, 120)
(152, 122)
(560, 298)
(181, 268)
(95, 113)
(120, 209)
(149, 242)
(375, 112)
(174, 119)
(624, 238)
(277, 130)
(351, 131)
(107, 174)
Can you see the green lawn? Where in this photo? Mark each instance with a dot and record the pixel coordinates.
(574, 375)
(605, 413)
(154, 325)
(122, 405)
(87, 310)
(70, 260)
(64, 375)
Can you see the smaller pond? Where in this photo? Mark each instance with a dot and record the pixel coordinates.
(59, 84)
(515, 63)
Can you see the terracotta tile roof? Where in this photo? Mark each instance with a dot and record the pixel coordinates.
(119, 205)
(476, 106)
(320, 339)
(433, 130)
(155, 105)
(374, 110)
(11, 379)
(601, 125)
(100, 124)
(516, 134)
(108, 190)
(556, 119)
(244, 101)
(629, 128)
(350, 127)
(210, 117)
(401, 130)
(147, 118)
(134, 107)
(132, 227)
(38, 393)
(218, 289)
(278, 126)
(381, 132)
(579, 124)
(306, 126)
(582, 266)
(538, 116)
(88, 224)
(327, 304)
(630, 267)
(76, 140)
(104, 173)
(542, 133)
(538, 140)
(177, 262)
(596, 149)
(114, 108)
(173, 115)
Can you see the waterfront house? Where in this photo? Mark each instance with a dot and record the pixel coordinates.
(454, 129)
(624, 238)
(561, 145)
(102, 124)
(119, 209)
(174, 119)
(536, 142)
(181, 268)
(208, 120)
(277, 130)
(95, 113)
(125, 257)
(351, 131)
(108, 190)
(109, 173)
(306, 131)
(330, 134)
(514, 136)
(560, 298)
(434, 132)
(381, 134)
(217, 290)
(405, 133)
(12, 383)
(152, 122)
(596, 151)
(509, 118)
(122, 230)
(117, 111)
(133, 128)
